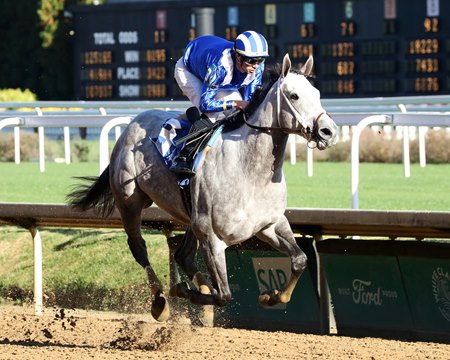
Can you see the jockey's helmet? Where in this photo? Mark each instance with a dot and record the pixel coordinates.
(251, 44)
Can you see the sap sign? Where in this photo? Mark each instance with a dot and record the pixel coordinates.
(272, 273)
(255, 271)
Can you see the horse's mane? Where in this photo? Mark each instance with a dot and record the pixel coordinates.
(270, 76)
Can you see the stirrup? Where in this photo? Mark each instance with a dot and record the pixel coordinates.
(182, 170)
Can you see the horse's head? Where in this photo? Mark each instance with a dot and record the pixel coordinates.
(299, 109)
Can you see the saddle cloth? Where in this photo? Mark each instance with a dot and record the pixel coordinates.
(171, 130)
(177, 128)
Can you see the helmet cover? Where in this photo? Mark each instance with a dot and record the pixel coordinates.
(251, 44)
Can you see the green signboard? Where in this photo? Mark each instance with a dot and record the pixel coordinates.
(367, 292)
(389, 286)
(427, 283)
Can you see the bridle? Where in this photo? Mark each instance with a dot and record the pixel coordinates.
(268, 129)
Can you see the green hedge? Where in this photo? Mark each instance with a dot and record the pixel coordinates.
(16, 95)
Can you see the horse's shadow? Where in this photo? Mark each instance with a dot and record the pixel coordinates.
(78, 238)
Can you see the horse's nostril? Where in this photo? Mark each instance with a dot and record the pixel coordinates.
(325, 133)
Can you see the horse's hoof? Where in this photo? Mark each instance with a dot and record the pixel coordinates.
(179, 290)
(160, 308)
(284, 298)
(268, 299)
(206, 315)
(264, 300)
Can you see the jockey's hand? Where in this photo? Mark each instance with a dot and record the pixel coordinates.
(234, 120)
(241, 104)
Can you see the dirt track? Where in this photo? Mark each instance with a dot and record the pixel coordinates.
(69, 334)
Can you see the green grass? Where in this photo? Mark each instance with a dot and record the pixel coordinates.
(25, 183)
(88, 268)
(382, 186)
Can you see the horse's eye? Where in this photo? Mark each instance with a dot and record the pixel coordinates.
(294, 97)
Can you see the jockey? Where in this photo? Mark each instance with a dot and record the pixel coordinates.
(211, 72)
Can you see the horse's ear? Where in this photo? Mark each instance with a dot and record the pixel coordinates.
(306, 69)
(286, 65)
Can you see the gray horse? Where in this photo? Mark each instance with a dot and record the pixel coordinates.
(239, 190)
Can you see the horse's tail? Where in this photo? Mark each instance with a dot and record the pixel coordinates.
(94, 194)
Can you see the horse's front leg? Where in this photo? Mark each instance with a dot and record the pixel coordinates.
(281, 238)
(213, 250)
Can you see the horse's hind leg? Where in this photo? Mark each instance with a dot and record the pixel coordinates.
(281, 238)
(213, 251)
(185, 257)
(131, 219)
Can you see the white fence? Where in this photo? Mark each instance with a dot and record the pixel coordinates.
(418, 112)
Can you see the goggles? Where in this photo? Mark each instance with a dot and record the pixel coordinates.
(252, 61)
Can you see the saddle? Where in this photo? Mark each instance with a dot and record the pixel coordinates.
(199, 142)
(176, 132)
(204, 133)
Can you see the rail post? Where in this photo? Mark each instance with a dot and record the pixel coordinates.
(16, 121)
(104, 149)
(374, 119)
(406, 157)
(38, 292)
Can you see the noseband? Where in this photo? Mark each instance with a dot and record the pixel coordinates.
(268, 129)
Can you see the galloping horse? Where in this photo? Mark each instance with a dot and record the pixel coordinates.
(239, 190)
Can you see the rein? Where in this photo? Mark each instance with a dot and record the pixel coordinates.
(268, 129)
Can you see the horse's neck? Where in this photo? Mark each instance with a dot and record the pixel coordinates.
(266, 149)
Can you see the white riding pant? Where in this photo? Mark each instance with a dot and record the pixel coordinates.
(191, 86)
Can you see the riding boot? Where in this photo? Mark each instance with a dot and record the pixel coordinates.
(181, 163)
(193, 114)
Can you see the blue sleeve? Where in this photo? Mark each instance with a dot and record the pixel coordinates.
(208, 102)
(211, 86)
(250, 89)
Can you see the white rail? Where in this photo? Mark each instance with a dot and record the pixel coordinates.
(57, 121)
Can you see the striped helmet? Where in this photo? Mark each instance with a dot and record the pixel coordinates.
(251, 44)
